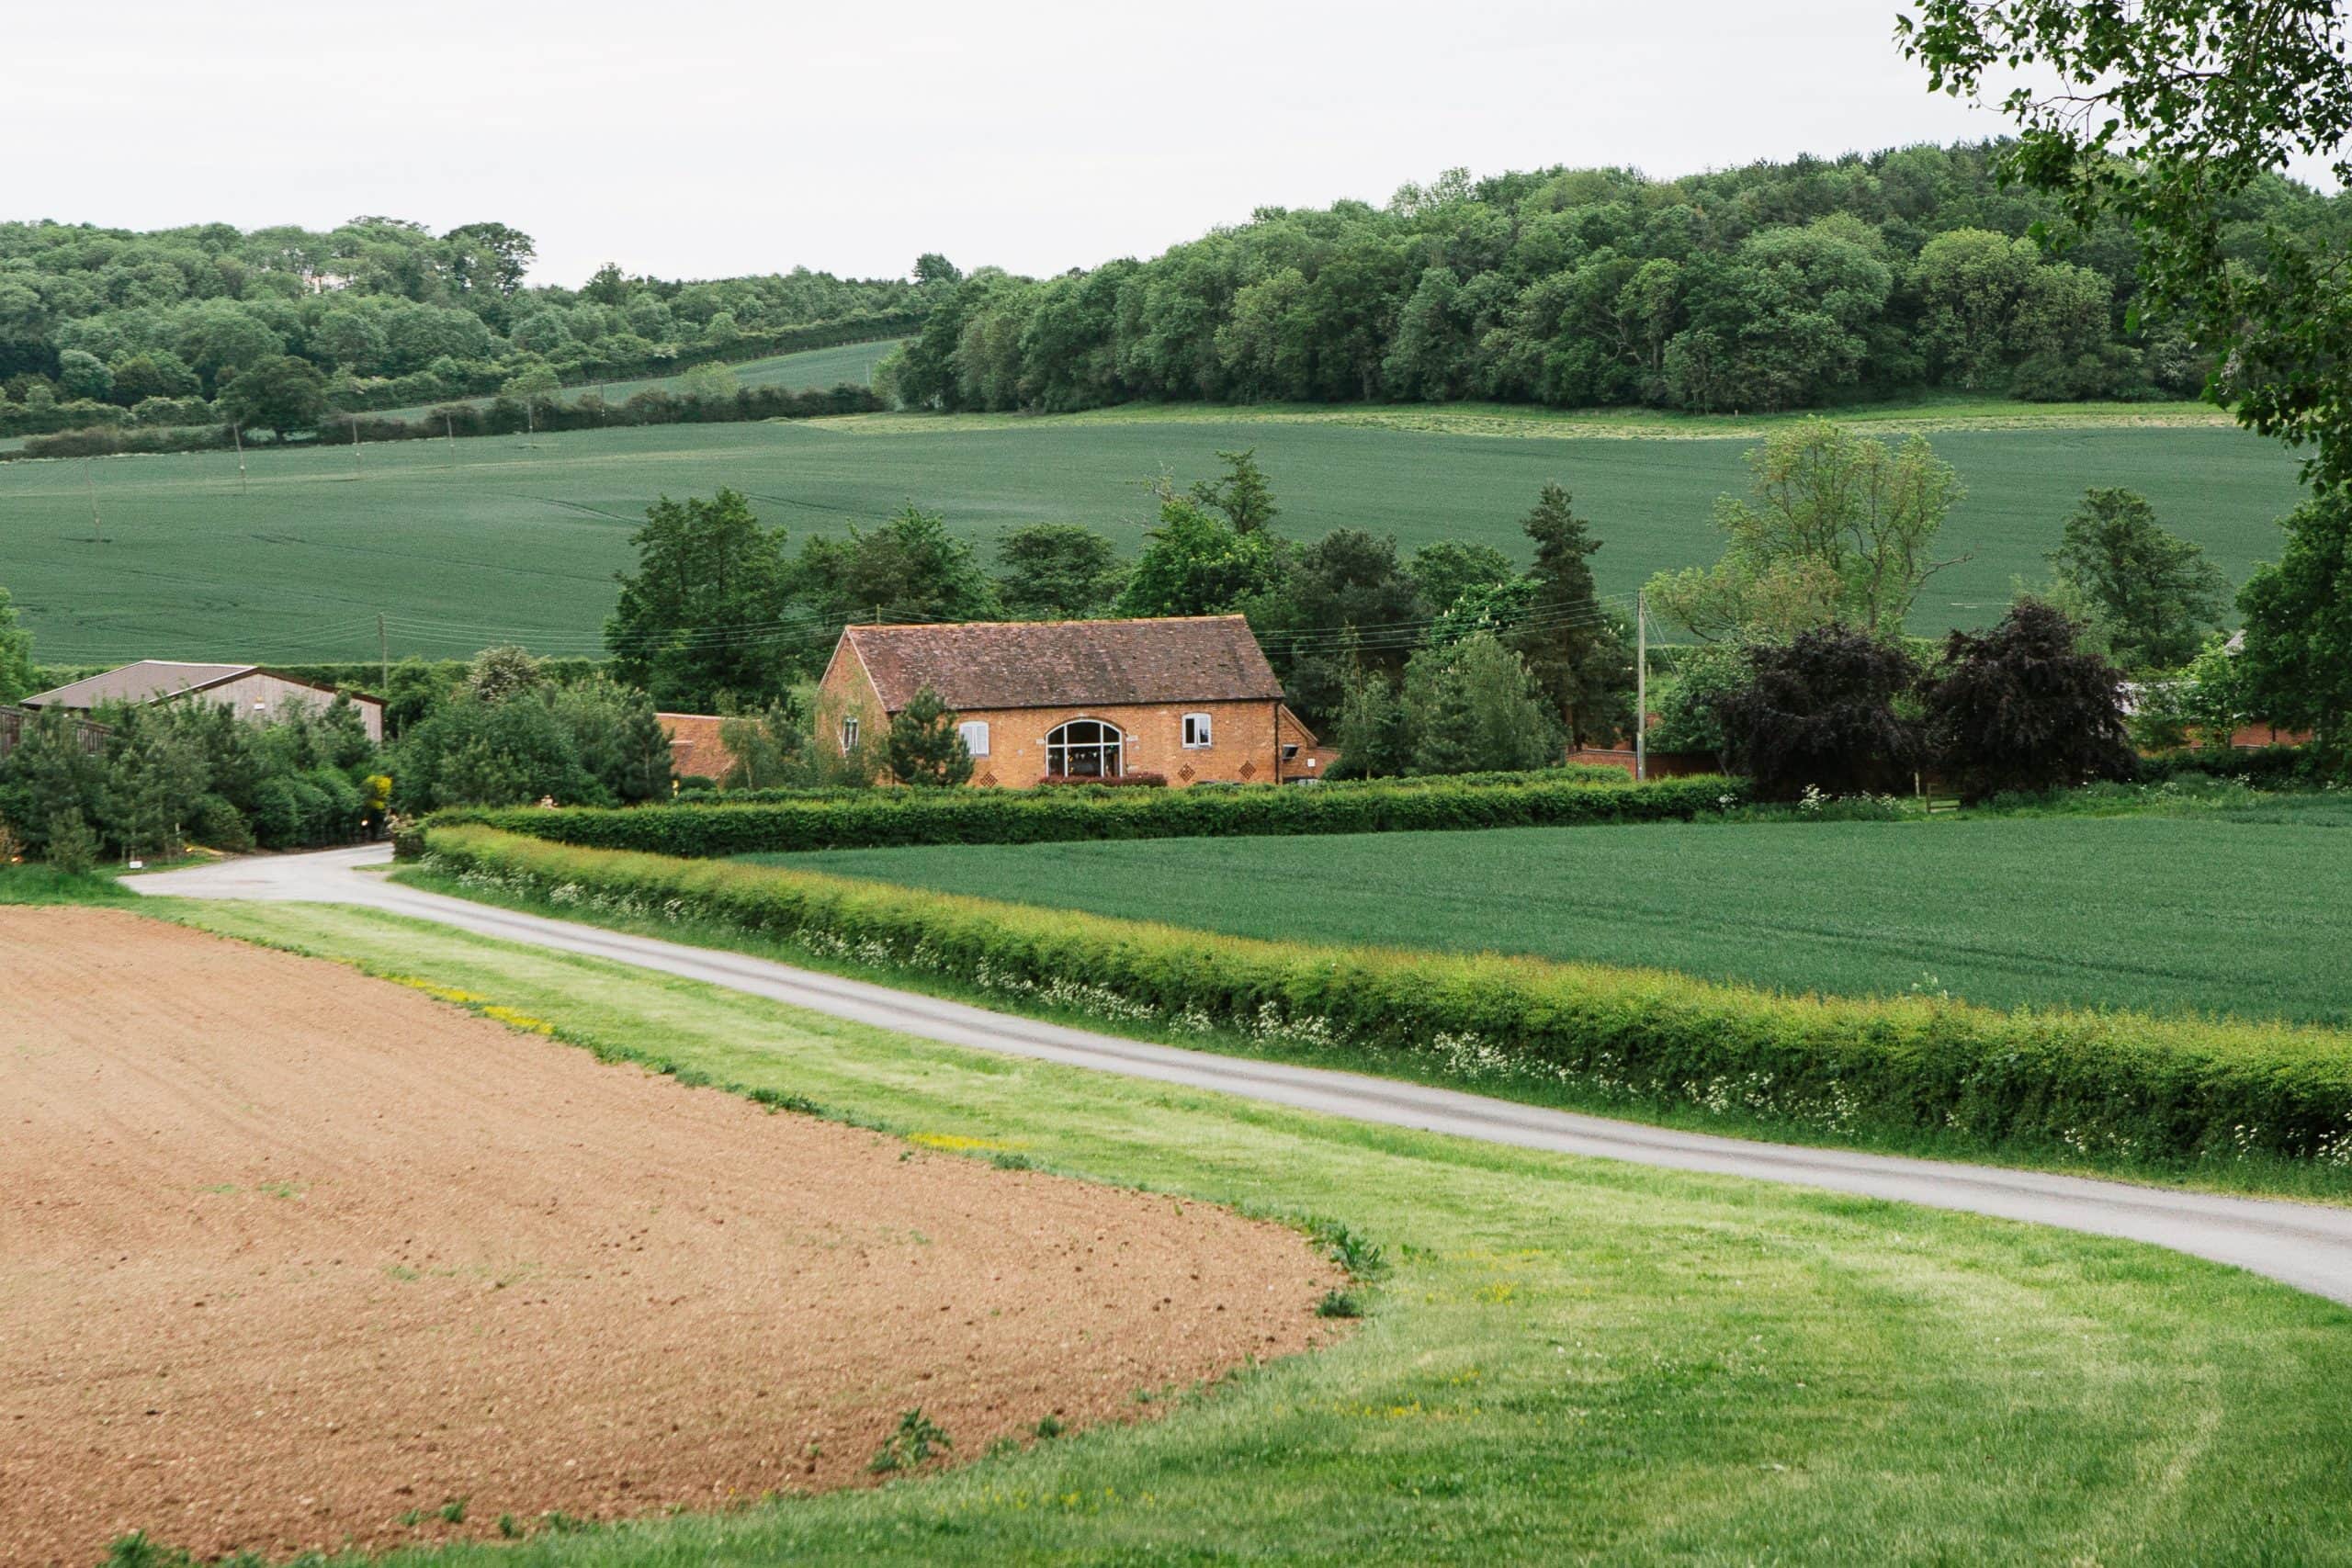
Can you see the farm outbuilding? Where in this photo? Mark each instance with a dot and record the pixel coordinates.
(1190, 699)
(696, 749)
(255, 693)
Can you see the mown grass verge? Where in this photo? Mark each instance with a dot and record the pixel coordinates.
(872, 818)
(2259, 1106)
(1567, 1360)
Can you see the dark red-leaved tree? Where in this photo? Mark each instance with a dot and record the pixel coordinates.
(1820, 710)
(2020, 707)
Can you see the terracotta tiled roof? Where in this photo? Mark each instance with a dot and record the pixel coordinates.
(1042, 664)
(695, 746)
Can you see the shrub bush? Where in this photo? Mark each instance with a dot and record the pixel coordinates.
(2270, 767)
(1125, 781)
(868, 819)
(2087, 1084)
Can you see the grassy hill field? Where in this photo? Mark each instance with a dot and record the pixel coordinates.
(850, 362)
(516, 539)
(2217, 914)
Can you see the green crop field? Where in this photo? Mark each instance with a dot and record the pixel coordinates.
(2241, 913)
(516, 539)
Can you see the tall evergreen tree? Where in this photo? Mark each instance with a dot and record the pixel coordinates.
(1572, 646)
(926, 748)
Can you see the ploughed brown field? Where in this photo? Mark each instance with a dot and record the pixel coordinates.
(288, 1253)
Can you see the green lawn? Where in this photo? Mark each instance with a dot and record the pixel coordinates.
(2240, 912)
(1565, 1359)
(516, 539)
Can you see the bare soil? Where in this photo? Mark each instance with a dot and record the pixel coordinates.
(291, 1257)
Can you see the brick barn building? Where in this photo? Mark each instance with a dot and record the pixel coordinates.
(1192, 699)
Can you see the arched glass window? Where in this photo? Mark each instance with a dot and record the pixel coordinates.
(1086, 749)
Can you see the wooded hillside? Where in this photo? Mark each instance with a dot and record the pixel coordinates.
(1772, 286)
(100, 324)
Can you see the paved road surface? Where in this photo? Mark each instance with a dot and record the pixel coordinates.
(2308, 1246)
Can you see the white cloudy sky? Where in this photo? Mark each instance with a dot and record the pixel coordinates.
(699, 138)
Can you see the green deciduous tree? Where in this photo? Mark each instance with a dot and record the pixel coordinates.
(1447, 568)
(2295, 664)
(282, 394)
(1837, 528)
(909, 568)
(498, 673)
(2154, 593)
(702, 613)
(1242, 492)
(925, 749)
(2171, 115)
(1057, 571)
(1198, 563)
(81, 374)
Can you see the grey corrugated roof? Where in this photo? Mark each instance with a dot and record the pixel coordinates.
(141, 682)
(1035, 664)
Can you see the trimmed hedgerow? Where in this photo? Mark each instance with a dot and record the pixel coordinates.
(870, 818)
(2100, 1086)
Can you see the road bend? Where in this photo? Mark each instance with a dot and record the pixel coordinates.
(2308, 1246)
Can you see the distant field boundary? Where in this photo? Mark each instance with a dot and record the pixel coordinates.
(2051, 1088)
(1577, 424)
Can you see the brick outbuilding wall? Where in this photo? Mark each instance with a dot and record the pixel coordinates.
(1245, 735)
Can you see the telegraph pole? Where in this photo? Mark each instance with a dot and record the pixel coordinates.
(1641, 686)
(97, 532)
(237, 434)
(384, 652)
(355, 447)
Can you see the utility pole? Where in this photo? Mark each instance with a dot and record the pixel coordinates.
(97, 532)
(355, 447)
(384, 652)
(237, 434)
(1641, 686)
(449, 429)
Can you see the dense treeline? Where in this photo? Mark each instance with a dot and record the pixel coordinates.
(1772, 286)
(101, 324)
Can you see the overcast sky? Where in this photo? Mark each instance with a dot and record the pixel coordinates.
(694, 139)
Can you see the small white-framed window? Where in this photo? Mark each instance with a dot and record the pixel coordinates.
(849, 733)
(1198, 731)
(975, 732)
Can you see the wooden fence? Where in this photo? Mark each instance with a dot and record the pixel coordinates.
(15, 721)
